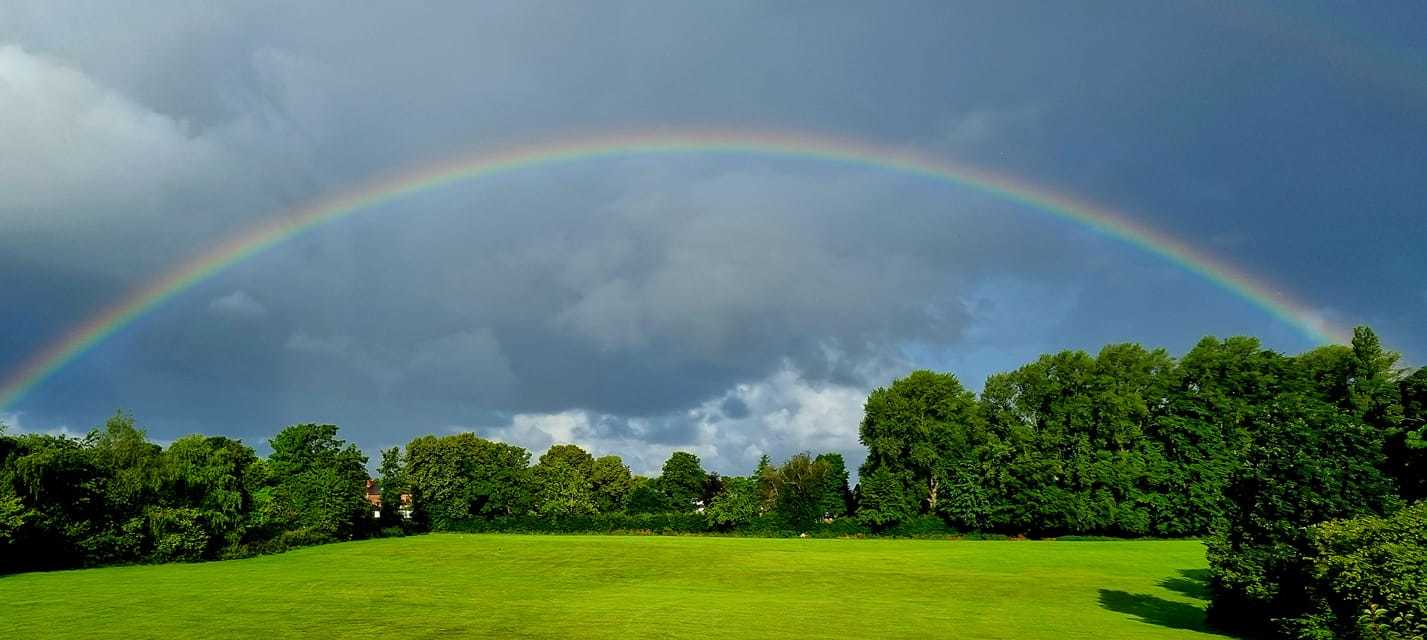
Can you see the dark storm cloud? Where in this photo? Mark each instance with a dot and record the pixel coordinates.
(733, 305)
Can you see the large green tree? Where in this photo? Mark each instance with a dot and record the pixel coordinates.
(461, 476)
(562, 482)
(645, 497)
(837, 494)
(1203, 429)
(612, 482)
(320, 481)
(736, 505)
(561, 490)
(804, 484)
(208, 477)
(1040, 456)
(570, 455)
(682, 481)
(1310, 461)
(882, 499)
(924, 429)
(128, 469)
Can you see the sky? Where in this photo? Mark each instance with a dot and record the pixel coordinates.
(727, 305)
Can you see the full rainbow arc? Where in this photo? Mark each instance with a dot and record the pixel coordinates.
(242, 246)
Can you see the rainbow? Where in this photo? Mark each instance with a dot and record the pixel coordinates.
(278, 229)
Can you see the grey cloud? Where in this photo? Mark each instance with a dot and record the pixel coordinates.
(640, 302)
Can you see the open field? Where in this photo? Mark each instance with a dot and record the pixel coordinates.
(450, 585)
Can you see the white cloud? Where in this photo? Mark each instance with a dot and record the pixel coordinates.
(14, 424)
(238, 304)
(785, 414)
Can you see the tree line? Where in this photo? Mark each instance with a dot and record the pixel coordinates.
(113, 496)
(1252, 449)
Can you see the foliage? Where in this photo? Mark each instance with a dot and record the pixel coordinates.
(1309, 462)
(604, 523)
(115, 497)
(882, 499)
(682, 481)
(804, 486)
(645, 497)
(392, 484)
(766, 476)
(1407, 445)
(561, 490)
(611, 482)
(924, 428)
(1367, 578)
(321, 482)
(837, 500)
(735, 506)
(456, 477)
(570, 455)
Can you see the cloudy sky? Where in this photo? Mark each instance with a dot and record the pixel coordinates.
(726, 305)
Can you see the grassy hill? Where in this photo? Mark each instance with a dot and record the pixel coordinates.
(499, 586)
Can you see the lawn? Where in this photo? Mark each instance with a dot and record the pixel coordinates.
(501, 586)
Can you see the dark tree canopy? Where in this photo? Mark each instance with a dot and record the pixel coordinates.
(682, 481)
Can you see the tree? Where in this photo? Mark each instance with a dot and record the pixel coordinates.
(562, 482)
(611, 482)
(572, 455)
(882, 499)
(1373, 391)
(57, 486)
(923, 428)
(682, 481)
(321, 481)
(392, 483)
(1203, 429)
(1407, 446)
(461, 476)
(561, 490)
(837, 495)
(127, 476)
(736, 505)
(1310, 462)
(713, 485)
(803, 486)
(209, 477)
(766, 477)
(645, 497)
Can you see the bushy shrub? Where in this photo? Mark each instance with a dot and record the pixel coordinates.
(923, 526)
(1368, 578)
(179, 534)
(1309, 463)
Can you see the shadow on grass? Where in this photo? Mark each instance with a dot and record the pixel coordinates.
(1155, 610)
(1193, 583)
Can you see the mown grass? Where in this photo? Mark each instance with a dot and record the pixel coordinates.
(503, 586)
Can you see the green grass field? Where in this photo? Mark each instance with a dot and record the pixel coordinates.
(501, 586)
